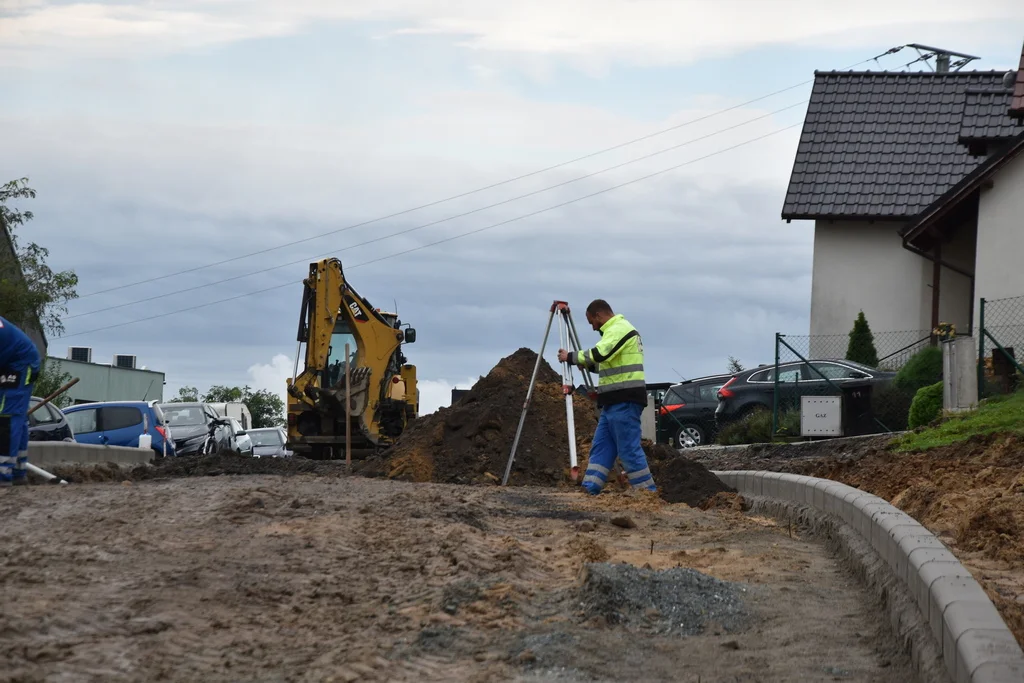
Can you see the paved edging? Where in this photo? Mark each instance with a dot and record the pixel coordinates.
(976, 645)
(49, 453)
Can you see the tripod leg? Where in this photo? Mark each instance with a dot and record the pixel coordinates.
(526, 401)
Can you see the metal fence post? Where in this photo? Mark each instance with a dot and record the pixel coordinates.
(775, 390)
(981, 349)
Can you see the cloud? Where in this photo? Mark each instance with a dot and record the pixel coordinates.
(272, 376)
(588, 33)
(435, 394)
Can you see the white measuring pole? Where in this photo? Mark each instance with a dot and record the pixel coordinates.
(567, 389)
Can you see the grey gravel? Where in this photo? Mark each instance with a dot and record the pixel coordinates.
(676, 601)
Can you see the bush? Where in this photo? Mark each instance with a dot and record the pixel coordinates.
(926, 406)
(923, 369)
(756, 427)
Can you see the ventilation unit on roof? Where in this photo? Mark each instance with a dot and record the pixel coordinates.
(80, 353)
(124, 361)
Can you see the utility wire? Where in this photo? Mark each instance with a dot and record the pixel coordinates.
(448, 239)
(481, 189)
(443, 220)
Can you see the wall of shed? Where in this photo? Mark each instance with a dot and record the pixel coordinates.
(955, 289)
(108, 383)
(863, 266)
(1000, 251)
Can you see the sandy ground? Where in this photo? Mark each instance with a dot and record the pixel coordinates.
(970, 494)
(333, 578)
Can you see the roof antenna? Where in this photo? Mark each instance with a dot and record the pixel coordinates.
(942, 57)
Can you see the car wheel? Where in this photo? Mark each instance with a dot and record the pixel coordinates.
(690, 431)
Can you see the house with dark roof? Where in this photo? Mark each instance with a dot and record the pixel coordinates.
(915, 184)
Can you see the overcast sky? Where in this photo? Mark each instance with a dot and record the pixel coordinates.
(164, 136)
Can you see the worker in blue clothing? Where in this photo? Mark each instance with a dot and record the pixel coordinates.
(618, 359)
(19, 368)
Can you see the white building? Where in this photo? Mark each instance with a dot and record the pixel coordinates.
(915, 184)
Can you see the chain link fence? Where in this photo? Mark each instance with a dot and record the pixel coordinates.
(1001, 334)
(875, 373)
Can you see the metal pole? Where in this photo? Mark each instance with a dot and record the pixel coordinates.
(348, 415)
(981, 350)
(526, 401)
(775, 390)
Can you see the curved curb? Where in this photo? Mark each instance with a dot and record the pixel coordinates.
(976, 645)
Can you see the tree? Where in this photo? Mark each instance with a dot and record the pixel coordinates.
(50, 380)
(185, 395)
(266, 407)
(734, 365)
(29, 290)
(861, 348)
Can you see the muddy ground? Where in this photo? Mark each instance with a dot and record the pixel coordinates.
(969, 494)
(325, 577)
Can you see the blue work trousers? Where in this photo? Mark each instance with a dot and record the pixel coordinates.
(14, 403)
(618, 436)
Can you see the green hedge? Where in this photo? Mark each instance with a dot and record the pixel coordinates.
(926, 406)
(923, 369)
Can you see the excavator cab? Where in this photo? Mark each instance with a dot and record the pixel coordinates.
(381, 385)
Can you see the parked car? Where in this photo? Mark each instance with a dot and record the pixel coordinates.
(243, 442)
(120, 423)
(753, 389)
(687, 410)
(48, 423)
(269, 442)
(191, 423)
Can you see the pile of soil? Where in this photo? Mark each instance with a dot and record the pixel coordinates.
(469, 442)
(193, 466)
(681, 480)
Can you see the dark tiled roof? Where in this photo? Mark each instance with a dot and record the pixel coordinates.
(881, 145)
(1017, 107)
(985, 115)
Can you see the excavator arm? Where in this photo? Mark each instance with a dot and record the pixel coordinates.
(382, 385)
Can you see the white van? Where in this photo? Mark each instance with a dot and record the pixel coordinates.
(235, 409)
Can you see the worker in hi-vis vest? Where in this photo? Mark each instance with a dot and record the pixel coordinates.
(19, 367)
(618, 360)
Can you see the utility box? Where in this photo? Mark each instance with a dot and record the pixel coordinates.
(959, 374)
(821, 416)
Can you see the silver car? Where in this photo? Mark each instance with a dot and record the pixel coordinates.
(242, 439)
(269, 442)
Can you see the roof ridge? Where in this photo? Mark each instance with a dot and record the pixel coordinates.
(934, 74)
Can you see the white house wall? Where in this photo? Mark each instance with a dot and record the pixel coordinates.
(999, 273)
(863, 266)
(954, 288)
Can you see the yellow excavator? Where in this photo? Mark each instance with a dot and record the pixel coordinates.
(384, 396)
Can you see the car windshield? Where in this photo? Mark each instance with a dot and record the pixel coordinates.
(270, 437)
(184, 417)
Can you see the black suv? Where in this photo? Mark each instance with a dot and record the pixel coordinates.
(753, 389)
(687, 411)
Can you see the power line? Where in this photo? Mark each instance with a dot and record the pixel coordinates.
(443, 220)
(480, 189)
(447, 239)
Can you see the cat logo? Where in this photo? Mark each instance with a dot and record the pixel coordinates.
(357, 311)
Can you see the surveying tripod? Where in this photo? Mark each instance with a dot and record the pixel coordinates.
(570, 340)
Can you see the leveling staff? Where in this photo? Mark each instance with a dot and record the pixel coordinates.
(19, 367)
(618, 359)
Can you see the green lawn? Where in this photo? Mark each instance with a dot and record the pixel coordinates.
(1000, 414)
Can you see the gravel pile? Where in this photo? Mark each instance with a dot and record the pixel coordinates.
(677, 601)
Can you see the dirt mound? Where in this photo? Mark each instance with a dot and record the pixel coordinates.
(681, 480)
(469, 442)
(194, 466)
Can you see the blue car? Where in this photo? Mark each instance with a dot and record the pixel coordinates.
(120, 423)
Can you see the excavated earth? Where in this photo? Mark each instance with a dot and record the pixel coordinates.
(202, 572)
(970, 494)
